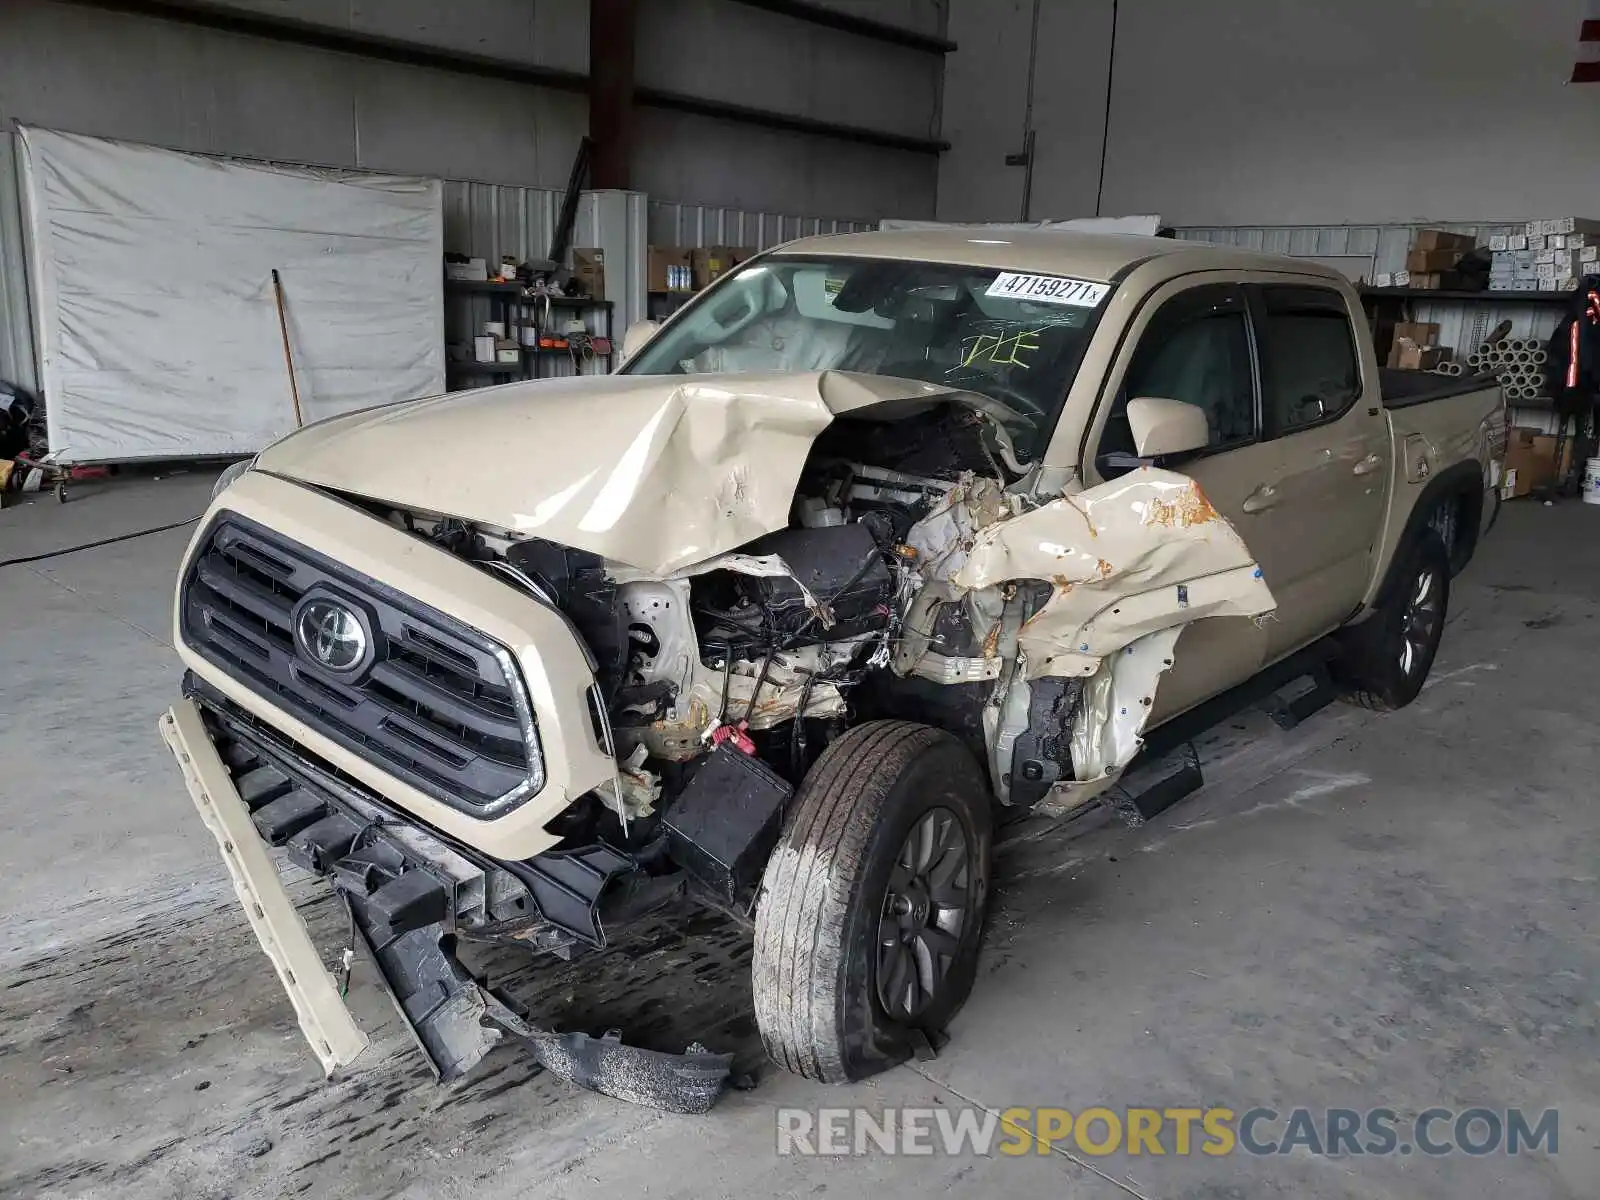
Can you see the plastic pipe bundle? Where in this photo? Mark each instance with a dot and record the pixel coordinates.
(1518, 363)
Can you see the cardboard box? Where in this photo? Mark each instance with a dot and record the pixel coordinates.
(589, 269)
(1438, 239)
(711, 263)
(1423, 333)
(1432, 260)
(1531, 462)
(1517, 241)
(1425, 282)
(1406, 354)
(1383, 281)
(664, 265)
(1574, 225)
(1413, 357)
(1402, 279)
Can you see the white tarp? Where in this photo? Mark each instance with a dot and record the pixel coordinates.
(158, 328)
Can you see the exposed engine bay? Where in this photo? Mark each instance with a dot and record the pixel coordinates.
(895, 592)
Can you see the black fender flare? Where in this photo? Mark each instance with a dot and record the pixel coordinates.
(1463, 480)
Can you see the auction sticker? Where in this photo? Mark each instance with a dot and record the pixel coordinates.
(1048, 289)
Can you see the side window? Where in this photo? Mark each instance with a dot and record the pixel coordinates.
(1309, 371)
(1196, 349)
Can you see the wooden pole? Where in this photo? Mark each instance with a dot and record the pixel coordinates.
(288, 354)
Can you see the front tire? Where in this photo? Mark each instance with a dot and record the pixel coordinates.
(1385, 660)
(872, 905)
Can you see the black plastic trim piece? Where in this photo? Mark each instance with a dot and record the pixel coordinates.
(1448, 387)
(1188, 725)
(566, 884)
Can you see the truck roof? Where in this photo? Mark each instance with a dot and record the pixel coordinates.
(1103, 257)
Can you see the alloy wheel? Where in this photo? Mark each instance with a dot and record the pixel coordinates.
(927, 907)
(1420, 622)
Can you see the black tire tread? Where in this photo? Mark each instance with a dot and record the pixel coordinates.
(808, 889)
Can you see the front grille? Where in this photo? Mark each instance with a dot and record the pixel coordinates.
(438, 705)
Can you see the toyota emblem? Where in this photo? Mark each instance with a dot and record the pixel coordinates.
(331, 634)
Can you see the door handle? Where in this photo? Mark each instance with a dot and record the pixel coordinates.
(1368, 465)
(1264, 497)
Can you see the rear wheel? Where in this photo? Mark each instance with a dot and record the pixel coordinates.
(1385, 660)
(872, 905)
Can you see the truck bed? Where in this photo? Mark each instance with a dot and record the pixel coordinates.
(1402, 389)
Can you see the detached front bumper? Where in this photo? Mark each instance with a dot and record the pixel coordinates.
(324, 1017)
(407, 891)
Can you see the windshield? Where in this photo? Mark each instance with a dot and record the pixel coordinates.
(1016, 338)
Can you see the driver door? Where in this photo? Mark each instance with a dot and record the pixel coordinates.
(1195, 343)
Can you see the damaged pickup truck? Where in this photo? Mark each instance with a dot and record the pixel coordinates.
(880, 536)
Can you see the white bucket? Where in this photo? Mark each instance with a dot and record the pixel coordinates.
(1591, 481)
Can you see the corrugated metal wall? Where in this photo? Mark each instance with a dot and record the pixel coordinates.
(702, 225)
(488, 220)
(16, 327)
(484, 220)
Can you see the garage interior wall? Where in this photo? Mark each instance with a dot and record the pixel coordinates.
(110, 69)
(88, 68)
(1258, 112)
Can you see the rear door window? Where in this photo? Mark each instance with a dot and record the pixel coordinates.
(1309, 369)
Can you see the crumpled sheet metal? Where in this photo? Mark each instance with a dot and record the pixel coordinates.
(1109, 722)
(652, 471)
(1139, 554)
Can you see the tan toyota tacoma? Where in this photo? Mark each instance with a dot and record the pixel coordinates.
(879, 537)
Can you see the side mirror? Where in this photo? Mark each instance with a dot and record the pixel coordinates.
(639, 333)
(1162, 426)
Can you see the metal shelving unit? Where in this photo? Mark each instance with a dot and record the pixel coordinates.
(505, 299)
(1435, 294)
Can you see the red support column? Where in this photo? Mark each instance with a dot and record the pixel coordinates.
(611, 41)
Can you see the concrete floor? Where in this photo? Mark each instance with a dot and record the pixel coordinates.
(1369, 911)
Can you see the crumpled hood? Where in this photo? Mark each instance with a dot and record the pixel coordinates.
(656, 472)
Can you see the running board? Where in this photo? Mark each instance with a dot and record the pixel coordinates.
(1154, 781)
